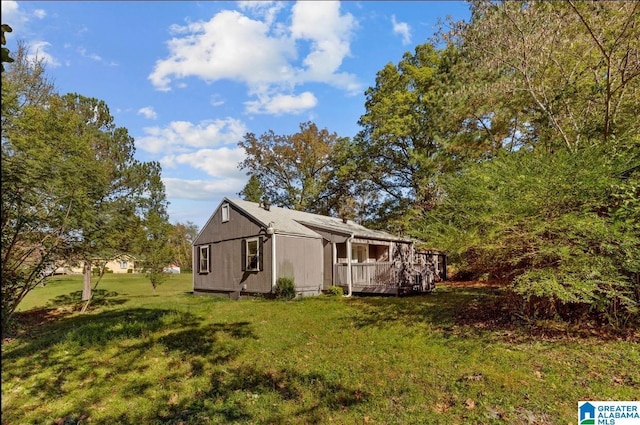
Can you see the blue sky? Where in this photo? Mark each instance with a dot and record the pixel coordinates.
(190, 79)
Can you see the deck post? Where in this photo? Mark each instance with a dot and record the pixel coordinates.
(334, 261)
(349, 277)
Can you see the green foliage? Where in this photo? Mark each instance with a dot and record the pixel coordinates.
(547, 224)
(401, 146)
(71, 187)
(181, 236)
(253, 191)
(285, 289)
(154, 250)
(5, 52)
(335, 291)
(511, 141)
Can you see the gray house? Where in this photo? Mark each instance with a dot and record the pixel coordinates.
(245, 247)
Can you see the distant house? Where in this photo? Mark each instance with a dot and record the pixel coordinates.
(122, 263)
(172, 269)
(245, 247)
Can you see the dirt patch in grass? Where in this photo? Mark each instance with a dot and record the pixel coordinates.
(25, 322)
(471, 284)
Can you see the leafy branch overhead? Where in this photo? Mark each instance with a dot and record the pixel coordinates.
(5, 52)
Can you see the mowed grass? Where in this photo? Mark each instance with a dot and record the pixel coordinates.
(174, 358)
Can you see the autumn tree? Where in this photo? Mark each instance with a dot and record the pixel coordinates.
(294, 171)
(567, 71)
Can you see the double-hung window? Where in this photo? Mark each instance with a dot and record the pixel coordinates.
(203, 259)
(251, 253)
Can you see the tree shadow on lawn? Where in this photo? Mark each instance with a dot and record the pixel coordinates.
(232, 395)
(99, 298)
(447, 307)
(474, 309)
(61, 363)
(59, 359)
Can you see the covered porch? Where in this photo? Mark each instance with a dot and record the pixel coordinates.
(372, 266)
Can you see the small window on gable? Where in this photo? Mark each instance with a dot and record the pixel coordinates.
(252, 254)
(225, 213)
(203, 266)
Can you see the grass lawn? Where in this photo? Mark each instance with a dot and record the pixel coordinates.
(174, 358)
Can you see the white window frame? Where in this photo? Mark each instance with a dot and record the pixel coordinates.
(225, 213)
(204, 251)
(124, 264)
(249, 255)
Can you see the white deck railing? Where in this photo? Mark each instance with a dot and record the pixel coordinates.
(366, 274)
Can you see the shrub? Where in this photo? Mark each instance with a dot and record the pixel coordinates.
(335, 291)
(285, 289)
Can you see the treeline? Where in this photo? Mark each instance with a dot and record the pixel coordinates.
(511, 141)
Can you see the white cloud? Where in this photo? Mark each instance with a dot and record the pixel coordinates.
(221, 162)
(264, 54)
(12, 15)
(184, 136)
(330, 36)
(216, 100)
(209, 146)
(148, 112)
(267, 10)
(38, 51)
(16, 17)
(202, 189)
(282, 104)
(229, 46)
(401, 28)
(92, 56)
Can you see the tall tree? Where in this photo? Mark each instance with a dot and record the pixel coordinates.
(412, 131)
(293, 170)
(557, 217)
(71, 187)
(181, 237)
(154, 251)
(252, 191)
(563, 69)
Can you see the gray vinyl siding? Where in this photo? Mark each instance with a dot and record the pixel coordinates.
(328, 264)
(225, 241)
(300, 259)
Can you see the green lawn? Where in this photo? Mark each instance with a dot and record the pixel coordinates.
(173, 358)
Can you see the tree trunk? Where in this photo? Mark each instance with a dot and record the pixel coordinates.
(86, 290)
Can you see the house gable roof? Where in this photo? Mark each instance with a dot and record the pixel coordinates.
(286, 221)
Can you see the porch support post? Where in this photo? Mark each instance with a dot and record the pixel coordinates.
(334, 261)
(349, 277)
(274, 272)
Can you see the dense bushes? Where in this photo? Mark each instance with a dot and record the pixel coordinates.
(335, 291)
(562, 229)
